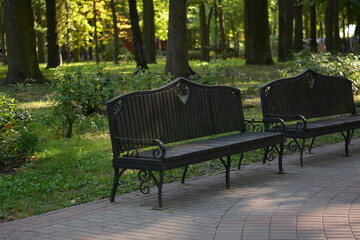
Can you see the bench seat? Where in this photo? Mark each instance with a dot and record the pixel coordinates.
(200, 150)
(325, 126)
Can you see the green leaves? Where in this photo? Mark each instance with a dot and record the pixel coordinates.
(79, 94)
(16, 144)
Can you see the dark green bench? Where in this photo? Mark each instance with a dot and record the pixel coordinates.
(318, 104)
(148, 128)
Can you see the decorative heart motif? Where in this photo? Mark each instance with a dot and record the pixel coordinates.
(183, 91)
(310, 80)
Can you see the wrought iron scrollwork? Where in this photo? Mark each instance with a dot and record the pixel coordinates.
(300, 124)
(269, 154)
(293, 145)
(183, 91)
(310, 79)
(144, 177)
(257, 125)
(131, 147)
(253, 126)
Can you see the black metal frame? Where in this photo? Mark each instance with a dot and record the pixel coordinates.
(151, 119)
(306, 97)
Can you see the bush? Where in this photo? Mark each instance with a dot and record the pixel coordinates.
(146, 80)
(16, 143)
(329, 64)
(221, 72)
(78, 94)
(124, 56)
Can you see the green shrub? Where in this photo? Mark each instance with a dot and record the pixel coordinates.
(146, 80)
(124, 55)
(325, 63)
(78, 94)
(221, 72)
(16, 143)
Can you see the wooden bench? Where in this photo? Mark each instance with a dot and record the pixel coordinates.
(316, 104)
(144, 126)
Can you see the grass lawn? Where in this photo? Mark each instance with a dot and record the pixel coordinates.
(65, 172)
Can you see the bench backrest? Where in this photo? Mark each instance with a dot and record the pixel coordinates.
(310, 94)
(178, 111)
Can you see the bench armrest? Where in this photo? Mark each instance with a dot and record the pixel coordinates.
(275, 124)
(301, 121)
(133, 146)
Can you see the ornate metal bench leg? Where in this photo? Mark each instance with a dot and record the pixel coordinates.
(347, 138)
(227, 166)
(184, 174)
(302, 147)
(159, 185)
(294, 145)
(281, 151)
(311, 144)
(240, 160)
(266, 152)
(117, 175)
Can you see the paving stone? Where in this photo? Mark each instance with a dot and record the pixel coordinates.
(318, 201)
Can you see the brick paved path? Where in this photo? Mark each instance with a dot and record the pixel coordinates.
(319, 201)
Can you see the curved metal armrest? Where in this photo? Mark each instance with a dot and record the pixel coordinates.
(254, 124)
(301, 121)
(133, 146)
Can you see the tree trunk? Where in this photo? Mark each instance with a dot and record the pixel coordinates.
(329, 28)
(257, 41)
(286, 18)
(177, 49)
(298, 38)
(222, 29)
(116, 33)
(313, 43)
(97, 57)
(40, 36)
(137, 38)
(149, 31)
(216, 31)
(3, 34)
(336, 33)
(204, 45)
(54, 59)
(21, 44)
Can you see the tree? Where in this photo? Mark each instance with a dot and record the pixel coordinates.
(177, 64)
(137, 38)
(204, 34)
(298, 37)
(313, 43)
(286, 17)
(222, 28)
(21, 44)
(149, 31)
(116, 33)
(96, 39)
(332, 40)
(54, 59)
(2, 32)
(40, 36)
(257, 42)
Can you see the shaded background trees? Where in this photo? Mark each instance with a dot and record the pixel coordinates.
(101, 30)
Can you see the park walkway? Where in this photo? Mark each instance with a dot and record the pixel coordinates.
(319, 201)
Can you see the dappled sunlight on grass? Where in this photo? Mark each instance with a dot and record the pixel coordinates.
(36, 104)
